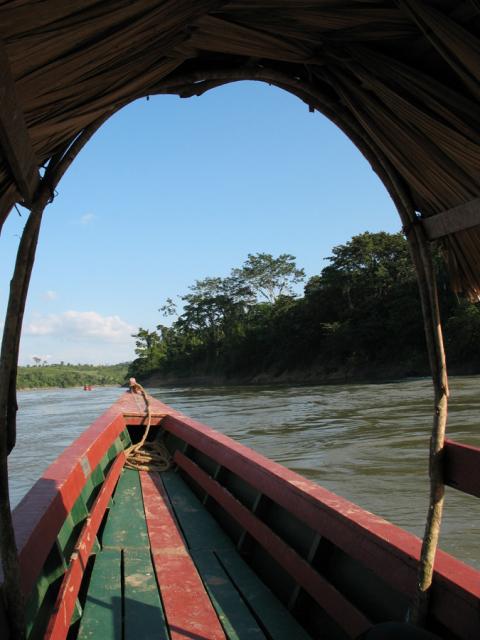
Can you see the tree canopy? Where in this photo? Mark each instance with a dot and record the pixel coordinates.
(269, 277)
(360, 316)
(71, 375)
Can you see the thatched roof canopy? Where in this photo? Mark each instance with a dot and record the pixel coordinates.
(400, 78)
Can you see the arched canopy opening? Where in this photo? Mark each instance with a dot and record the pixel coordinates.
(399, 78)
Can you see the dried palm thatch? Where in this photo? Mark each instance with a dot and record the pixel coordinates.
(401, 78)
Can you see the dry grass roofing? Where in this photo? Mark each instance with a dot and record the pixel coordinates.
(400, 78)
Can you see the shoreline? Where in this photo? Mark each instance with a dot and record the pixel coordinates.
(289, 378)
(75, 386)
(312, 376)
(300, 378)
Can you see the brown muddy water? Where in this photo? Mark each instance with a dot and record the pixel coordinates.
(366, 442)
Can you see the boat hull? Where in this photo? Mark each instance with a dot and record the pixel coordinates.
(337, 569)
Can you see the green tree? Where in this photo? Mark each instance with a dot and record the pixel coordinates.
(150, 350)
(462, 331)
(361, 313)
(364, 303)
(370, 264)
(212, 312)
(169, 308)
(269, 277)
(62, 375)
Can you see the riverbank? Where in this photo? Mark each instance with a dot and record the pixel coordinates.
(298, 376)
(313, 376)
(75, 386)
(63, 376)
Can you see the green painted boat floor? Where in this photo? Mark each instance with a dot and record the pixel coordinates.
(123, 598)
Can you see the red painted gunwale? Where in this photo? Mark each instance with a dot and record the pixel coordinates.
(42, 512)
(188, 609)
(59, 623)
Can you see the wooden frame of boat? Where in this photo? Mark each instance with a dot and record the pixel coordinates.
(307, 563)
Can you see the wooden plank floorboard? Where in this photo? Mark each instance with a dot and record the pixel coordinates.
(204, 537)
(237, 620)
(188, 609)
(126, 527)
(336, 605)
(144, 616)
(210, 594)
(102, 614)
(198, 526)
(281, 625)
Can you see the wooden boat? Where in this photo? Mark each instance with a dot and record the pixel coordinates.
(400, 79)
(225, 544)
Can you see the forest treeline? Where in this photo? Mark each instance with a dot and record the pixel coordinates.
(71, 375)
(360, 317)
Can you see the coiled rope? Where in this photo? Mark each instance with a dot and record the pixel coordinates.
(147, 456)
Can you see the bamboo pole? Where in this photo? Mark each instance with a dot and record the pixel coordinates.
(12, 591)
(18, 288)
(422, 259)
(433, 328)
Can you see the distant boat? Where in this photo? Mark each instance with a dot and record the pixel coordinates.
(224, 544)
(87, 387)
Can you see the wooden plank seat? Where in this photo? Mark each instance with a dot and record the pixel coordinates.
(123, 593)
(144, 614)
(102, 615)
(126, 526)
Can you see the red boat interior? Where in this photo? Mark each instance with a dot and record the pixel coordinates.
(223, 544)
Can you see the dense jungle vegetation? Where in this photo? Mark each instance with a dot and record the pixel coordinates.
(360, 317)
(70, 375)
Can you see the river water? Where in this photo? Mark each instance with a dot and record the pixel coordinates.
(368, 443)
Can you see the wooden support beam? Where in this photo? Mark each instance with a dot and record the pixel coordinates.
(461, 462)
(14, 137)
(460, 218)
(9, 546)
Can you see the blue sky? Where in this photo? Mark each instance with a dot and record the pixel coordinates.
(170, 191)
